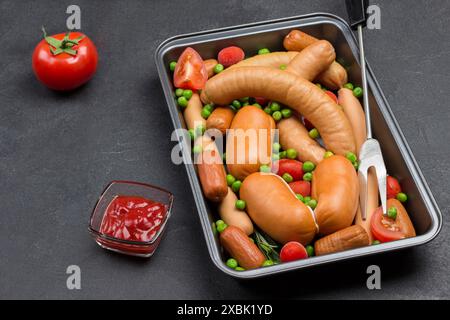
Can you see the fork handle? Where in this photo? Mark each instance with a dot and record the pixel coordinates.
(356, 10)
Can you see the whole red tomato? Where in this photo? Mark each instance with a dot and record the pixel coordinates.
(301, 187)
(292, 251)
(65, 61)
(293, 167)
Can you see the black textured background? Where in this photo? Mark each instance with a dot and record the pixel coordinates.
(58, 151)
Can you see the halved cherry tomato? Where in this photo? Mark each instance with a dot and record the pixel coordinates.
(308, 125)
(332, 96)
(230, 55)
(386, 229)
(293, 167)
(393, 187)
(292, 251)
(190, 71)
(261, 101)
(301, 187)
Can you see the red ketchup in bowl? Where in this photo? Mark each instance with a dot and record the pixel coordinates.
(133, 218)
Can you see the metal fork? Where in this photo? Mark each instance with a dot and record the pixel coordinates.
(370, 154)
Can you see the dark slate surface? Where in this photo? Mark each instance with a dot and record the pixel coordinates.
(58, 151)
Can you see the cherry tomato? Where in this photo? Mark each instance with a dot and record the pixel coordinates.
(230, 55)
(292, 251)
(65, 61)
(393, 187)
(308, 125)
(261, 101)
(190, 71)
(386, 229)
(301, 187)
(332, 96)
(293, 167)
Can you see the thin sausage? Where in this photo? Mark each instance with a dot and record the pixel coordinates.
(209, 65)
(241, 248)
(291, 90)
(335, 186)
(273, 59)
(293, 134)
(192, 113)
(233, 216)
(220, 119)
(349, 238)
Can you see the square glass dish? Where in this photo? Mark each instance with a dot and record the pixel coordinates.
(400, 162)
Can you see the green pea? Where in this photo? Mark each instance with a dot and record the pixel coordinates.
(286, 113)
(358, 92)
(200, 130)
(287, 177)
(299, 197)
(276, 157)
(314, 133)
(172, 65)
(308, 166)
(375, 242)
(182, 102)
(283, 67)
(218, 68)
(328, 154)
(291, 153)
(306, 199)
(392, 213)
(230, 179)
(276, 147)
(208, 107)
(179, 92)
(351, 156)
(236, 104)
(277, 116)
(402, 197)
(240, 204)
(307, 176)
(312, 203)
(236, 185)
(275, 106)
(282, 155)
(349, 86)
(264, 168)
(205, 113)
(192, 134)
(245, 99)
(267, 263)
(268, 110)
(197, 149)
(219, 222)
(232, 263)
(263, 51)
(239, 269)
(257, 105)
(221, 227)
(310, 250)
(187, 94)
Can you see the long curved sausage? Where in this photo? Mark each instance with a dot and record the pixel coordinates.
(293, 134)
(273, 206)
(289, 89)
(209, 65)
(233, 216)
(335, 186)
(192, 113)
(349, 238)
(273, 59)
(334, 77)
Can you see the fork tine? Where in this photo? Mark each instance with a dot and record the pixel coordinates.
(380, 169)
(362, 176)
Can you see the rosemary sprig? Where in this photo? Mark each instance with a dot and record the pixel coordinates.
(267, 246)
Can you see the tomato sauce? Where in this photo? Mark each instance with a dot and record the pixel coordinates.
(133, 218)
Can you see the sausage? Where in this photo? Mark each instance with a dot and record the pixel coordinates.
(355, 114)
(220, 119)
(313, 60)
(241, 248)
(334, 77)
(293, 134)
(209, 65)
(192, 113)
(349, 238)
(211, 171)
(335, 186)
(273, 59)
(273, 207)
(245, 156)
(289, 89)
(233, 216)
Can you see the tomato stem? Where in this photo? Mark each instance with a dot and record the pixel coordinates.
(65, 45)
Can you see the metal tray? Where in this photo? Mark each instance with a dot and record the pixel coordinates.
(421, 205)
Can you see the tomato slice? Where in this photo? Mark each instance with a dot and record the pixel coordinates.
(385, 229)
(190, 72)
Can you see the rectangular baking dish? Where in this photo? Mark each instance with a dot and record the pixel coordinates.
(399, 160)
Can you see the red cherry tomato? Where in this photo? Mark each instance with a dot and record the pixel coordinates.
(393, 187)
(261, 101)
(190, 71)
(301, 187)
(332, 96)
(292, 251)
(293, 167)
(308, 125)
(230, 55)
(67, 63)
